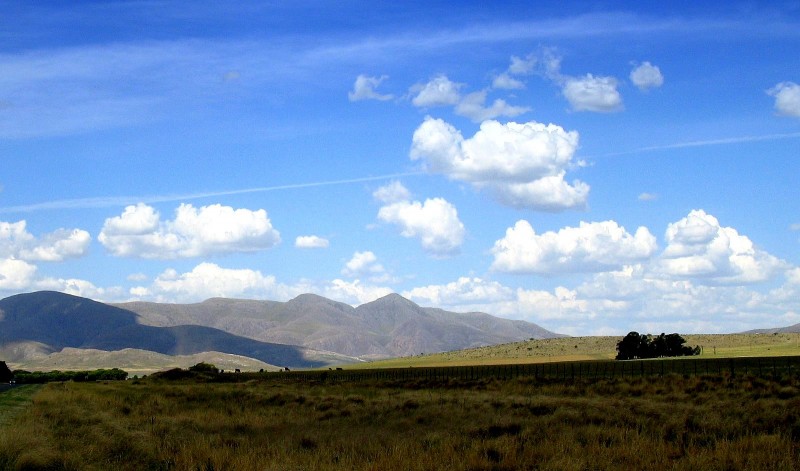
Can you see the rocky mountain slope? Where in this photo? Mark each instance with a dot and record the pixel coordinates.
(307, 331)
(47, 322)
(387, 327)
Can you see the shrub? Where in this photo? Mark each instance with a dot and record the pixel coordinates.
(203, 367)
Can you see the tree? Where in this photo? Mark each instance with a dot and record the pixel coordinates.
(630, 346)
(635, 345)
(5, 374)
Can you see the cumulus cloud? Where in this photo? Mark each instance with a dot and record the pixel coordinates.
(473, 107)
(551, 193)
(698, 247)
(311, 242)
(435, 222)
(392, 193)
(83, 288)
(646, 76)
(507, 82)
(522, 164)
(16, 274)
(590, 247)
(214, 229)
(364, 88)
(590, 93)
(475, 294)
(354, 292)
(208, 280)
(57, 246)
(362, 264)
(439, 91)
(787, 98)
(584, 93)
(519, 66)
(522, 65)
(466, 291)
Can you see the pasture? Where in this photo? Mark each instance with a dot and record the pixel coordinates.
(594, 348)
(272, 421)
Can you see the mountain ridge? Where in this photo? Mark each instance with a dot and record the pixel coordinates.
(52, 321)
(306, 331)
(389, 326)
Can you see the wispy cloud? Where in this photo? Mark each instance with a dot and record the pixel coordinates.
(118, 201)
(705, 143)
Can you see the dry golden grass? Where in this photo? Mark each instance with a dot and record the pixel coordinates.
(594, 348)
(681, 423)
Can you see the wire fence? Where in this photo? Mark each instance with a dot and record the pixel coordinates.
(565, 371)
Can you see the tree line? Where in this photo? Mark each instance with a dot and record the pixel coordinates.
(635, 345)
(38, 377)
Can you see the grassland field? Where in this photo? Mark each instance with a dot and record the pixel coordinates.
(715, 422)
(272, 422)
(594, 348)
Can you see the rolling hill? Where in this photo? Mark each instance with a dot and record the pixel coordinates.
(792, 329)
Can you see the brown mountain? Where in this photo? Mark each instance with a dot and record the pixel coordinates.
(307, 331)
(387, 327)
(41, 323)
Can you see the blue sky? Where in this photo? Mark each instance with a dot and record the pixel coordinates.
(595, 168)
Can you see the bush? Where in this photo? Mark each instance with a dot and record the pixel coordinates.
(203, 367)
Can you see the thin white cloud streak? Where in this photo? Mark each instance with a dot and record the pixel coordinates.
(114, 201)
(706, 143)
(579, 26)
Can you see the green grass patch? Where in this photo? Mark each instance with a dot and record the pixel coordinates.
(14, 400)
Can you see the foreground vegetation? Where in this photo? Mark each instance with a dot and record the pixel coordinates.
(14, 400)
(671, 422)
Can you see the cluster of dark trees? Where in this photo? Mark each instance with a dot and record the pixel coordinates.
(38, 377)
(635, 345)
(5, 374)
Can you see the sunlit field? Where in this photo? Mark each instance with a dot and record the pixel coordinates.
(673, 422)
(595, 348)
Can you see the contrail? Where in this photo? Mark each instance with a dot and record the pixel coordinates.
(710, 142)
(111, 201)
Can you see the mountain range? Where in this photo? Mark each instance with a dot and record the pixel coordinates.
(306, 331)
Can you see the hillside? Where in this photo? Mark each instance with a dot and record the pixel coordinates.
(137, 362)
(44, 329)
(792, 329)
(391, 326)
(595, 348)
(39, 324)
